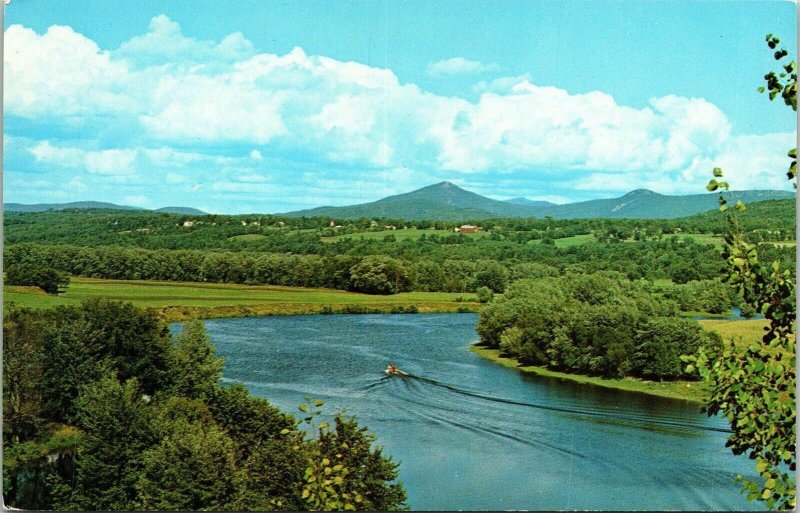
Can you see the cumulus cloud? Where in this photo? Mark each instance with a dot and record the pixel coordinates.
(222, 97)
(60, 71)
(534, 126)
(165, 43)
(459, 66)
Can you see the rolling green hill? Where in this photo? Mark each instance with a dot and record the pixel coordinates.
(42, 207)
(446, 201)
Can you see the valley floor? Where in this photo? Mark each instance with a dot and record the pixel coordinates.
(180, 301)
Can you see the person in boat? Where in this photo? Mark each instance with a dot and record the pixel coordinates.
(391, 369)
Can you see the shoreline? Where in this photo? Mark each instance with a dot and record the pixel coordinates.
(689, 391)
(190, 313)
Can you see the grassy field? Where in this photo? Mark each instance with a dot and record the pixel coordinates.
(743, 333)
(181, 301)
(399, 234)
(702, 238)
(719, 241)
(248, 237)
(566, 242)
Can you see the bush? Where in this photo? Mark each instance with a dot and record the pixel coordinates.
(485, 294)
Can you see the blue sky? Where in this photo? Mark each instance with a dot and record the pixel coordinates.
(256, 106)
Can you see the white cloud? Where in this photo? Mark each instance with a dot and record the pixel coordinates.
(111, 162)
(67, 157)
(104, 162)
(165, 43)
(60, 72)
(168, 157)
(459, 66)
(173, 90)
(534, 126)
(213, 109)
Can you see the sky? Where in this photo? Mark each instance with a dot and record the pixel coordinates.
(262, 106)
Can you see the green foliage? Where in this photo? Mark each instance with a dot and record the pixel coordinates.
(31, 274)
(755, 387)
(491, 275)
(485, 294)
(600, 324)
(193, 468)
(712, 296)
(118, 428)
(23, 371)
(344, 472)
(197, 369)
(379, 275)
(174, 444)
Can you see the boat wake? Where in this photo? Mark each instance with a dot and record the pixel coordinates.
(625, 417)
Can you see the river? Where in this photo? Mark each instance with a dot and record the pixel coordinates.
(471, 434)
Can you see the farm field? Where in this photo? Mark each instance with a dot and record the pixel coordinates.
(568, 242)
(183, 300)
(742, 332)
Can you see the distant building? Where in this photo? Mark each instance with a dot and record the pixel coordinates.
(468, 228)
(390, 227)
(373, 224)
(188, 224)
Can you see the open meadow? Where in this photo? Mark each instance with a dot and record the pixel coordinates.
(180, 301)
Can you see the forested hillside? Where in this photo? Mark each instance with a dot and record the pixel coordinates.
(447, 201)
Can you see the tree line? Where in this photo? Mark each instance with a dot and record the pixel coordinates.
(374, 274)
(600, 324)
(103, 409)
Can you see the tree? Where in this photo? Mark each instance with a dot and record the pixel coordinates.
(197, 370)
(36, 275)
(22, 376)
(490, 274)
(192, 469)
(380, 275)
(118, 429)
(370, 473)
(485, 294)
(755, 387)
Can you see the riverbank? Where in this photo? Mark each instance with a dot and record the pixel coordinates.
(692, 391)
(183, 301)
(741, 332)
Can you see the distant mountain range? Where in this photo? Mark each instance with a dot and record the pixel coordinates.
(41, 207)
(446, 201)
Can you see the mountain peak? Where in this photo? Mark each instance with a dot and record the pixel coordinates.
(443, 185)
(641, 192)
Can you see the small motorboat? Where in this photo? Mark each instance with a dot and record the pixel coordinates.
(392, 370)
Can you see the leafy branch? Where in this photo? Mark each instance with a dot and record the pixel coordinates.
(755, 387)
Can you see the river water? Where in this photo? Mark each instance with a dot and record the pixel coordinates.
(471, 434)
